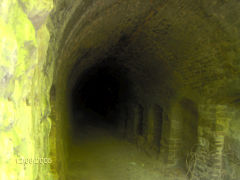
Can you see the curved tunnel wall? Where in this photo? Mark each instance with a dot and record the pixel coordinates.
(174, 53)
(182, 57)
(153, 79)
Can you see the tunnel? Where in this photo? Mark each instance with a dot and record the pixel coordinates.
(119, 89)
(101, 90)
(107, 111)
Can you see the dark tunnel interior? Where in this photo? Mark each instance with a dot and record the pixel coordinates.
(120, 89)
(124, 104)
(99, 94)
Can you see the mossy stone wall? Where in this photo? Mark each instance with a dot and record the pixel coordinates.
(24, 87)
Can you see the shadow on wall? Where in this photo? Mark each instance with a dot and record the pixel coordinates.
(189, 114)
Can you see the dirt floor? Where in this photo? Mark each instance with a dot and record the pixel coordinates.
(98, 154)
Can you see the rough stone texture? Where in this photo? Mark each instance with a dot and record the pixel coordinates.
(180, 55)
(24, 99)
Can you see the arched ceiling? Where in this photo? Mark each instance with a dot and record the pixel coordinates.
(169, 46)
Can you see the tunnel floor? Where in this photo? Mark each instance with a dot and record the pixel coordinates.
(98, 153)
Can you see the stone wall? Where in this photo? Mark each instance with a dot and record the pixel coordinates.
(182, 58)
(24, 98)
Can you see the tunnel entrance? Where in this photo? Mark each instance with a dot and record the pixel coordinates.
(99, 93)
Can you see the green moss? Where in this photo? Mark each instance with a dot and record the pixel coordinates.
(21, 132)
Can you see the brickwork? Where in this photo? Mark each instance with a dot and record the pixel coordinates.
(212, 128)
(169, 46)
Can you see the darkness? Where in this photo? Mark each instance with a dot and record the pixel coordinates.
(99, 93)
